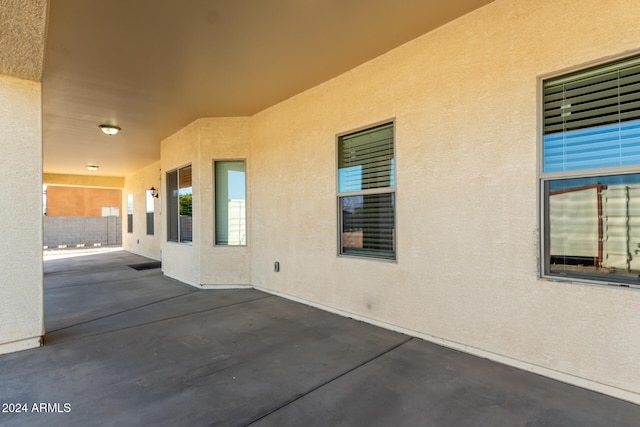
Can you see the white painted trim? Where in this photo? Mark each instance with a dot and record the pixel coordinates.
(505, 360)
(26, 344)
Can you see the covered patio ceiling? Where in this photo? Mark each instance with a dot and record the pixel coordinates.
(153, 66)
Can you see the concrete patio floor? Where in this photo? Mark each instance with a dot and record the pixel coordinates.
(126, 347)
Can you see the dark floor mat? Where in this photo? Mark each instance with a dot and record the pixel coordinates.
(146, 265)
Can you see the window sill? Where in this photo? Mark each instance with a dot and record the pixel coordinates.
(369, 258)
(589, 282)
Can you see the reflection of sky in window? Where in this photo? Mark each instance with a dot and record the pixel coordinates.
(598, 146)
(563, 184)
(237, 189)
(350, 178)
(150, 204)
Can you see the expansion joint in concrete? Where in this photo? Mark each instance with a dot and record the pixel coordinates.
(152, 322)
(329, 381)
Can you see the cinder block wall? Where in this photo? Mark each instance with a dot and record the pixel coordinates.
(77, 230)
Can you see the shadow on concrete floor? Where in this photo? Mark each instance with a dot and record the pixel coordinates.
(127, 347)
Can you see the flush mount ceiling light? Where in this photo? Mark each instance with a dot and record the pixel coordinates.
(92, 168)
(109, 129)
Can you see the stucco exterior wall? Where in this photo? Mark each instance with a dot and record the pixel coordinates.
(200, 144)
(464, 100)
(81, 201)
(139, 241)
(182, 260)
(221, 139)
(21, 286)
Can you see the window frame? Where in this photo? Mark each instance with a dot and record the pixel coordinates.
(545, 178)
(130, 213)
(381, 190)
(169, 197)
(215, 216)
(150, 214)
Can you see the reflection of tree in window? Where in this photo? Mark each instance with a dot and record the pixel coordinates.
(185, 204)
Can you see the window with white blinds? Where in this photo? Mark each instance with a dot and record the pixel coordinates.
(179, 205)
(366, 193)
(591, 193)
(592, 118)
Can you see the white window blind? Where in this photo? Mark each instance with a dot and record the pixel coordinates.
(366, 160)
(366, 192)
(591, 215)
(592, 118)
(179, 205)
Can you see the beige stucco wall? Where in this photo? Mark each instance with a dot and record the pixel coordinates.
(464, 100)
(182, 260)
(201, 263)
(21, 288)
(137, 184)
(221, 139)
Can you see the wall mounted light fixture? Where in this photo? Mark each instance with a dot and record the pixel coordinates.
(109, 129)
(154, 192)
(92, 168)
